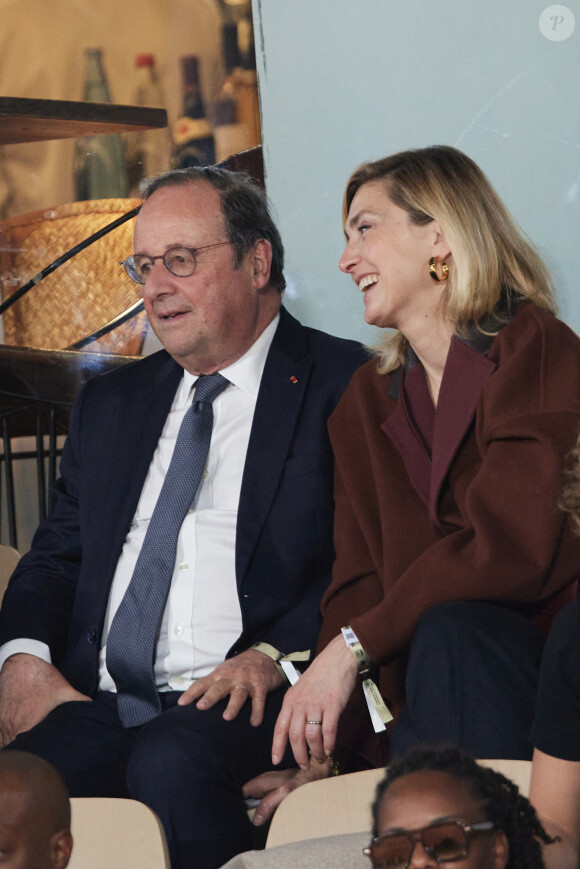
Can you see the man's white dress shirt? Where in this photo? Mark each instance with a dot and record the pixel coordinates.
(202, 618)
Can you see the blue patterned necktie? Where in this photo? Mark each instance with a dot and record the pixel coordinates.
(132, 640)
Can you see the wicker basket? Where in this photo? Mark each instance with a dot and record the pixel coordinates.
(82, 294)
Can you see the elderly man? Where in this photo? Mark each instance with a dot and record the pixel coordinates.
(34, 814)
(191, 538)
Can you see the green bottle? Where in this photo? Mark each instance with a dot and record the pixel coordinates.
(100, 170)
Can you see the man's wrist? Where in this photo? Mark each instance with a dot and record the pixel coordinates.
(24, 646)
(284, 663)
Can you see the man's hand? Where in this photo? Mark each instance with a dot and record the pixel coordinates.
(251, 674)
(272, 787)
(30, 689)
(312, 707)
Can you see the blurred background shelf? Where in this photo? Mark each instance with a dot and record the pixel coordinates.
(27, 120)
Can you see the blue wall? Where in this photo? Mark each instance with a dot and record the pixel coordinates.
(342, 82)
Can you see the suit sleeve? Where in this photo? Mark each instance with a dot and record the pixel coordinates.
(39, 598)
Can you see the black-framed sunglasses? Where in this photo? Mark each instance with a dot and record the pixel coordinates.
(445, 843)
(180, 261)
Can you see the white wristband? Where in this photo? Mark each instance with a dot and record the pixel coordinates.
(378, 709)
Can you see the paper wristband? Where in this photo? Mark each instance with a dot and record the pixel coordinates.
(378, 709)
(284, 662)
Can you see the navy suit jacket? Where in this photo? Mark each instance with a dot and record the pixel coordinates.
(59, 591)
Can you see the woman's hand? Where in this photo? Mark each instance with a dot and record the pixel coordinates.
(320, 695)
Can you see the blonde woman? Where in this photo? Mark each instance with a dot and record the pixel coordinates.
(449, 453)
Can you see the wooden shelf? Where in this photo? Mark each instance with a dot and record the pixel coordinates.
(25, 120)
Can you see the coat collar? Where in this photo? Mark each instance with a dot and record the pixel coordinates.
(478, 336)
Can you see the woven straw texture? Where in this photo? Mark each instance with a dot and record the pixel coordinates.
(81, 295)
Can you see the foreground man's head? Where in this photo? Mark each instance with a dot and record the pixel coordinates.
(34, 814)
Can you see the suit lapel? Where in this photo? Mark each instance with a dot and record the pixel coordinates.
(140, 420)
(282, 390)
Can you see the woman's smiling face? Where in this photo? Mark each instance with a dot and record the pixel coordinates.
(388, 256)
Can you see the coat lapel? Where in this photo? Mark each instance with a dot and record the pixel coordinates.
(282, 390)
(466, 370)
(399, 429)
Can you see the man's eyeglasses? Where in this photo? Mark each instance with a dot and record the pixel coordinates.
(180, 261)
(444, 843)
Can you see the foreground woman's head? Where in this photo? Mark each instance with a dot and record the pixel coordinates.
(438, 806)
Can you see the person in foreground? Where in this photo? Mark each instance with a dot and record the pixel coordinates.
(34, 814)
(438, 806)
(449, 453)
(191, 536)
(555, 784)
(434, 806)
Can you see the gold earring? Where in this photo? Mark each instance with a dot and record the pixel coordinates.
(433, 270)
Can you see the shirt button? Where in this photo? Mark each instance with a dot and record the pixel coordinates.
(178, 631)
(205, 474)
(183, 567)
(191, 510)
(183, 683)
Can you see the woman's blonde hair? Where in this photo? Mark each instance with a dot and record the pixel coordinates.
(571, 497)
(490, 254)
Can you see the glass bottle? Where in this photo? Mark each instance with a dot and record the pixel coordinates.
(100, 171)
(148, 151)
(230, 135)
(192, 133)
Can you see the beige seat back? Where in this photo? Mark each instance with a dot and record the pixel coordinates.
(123, 834)
(341, 805)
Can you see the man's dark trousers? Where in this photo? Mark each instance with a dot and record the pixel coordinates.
(187, 765)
